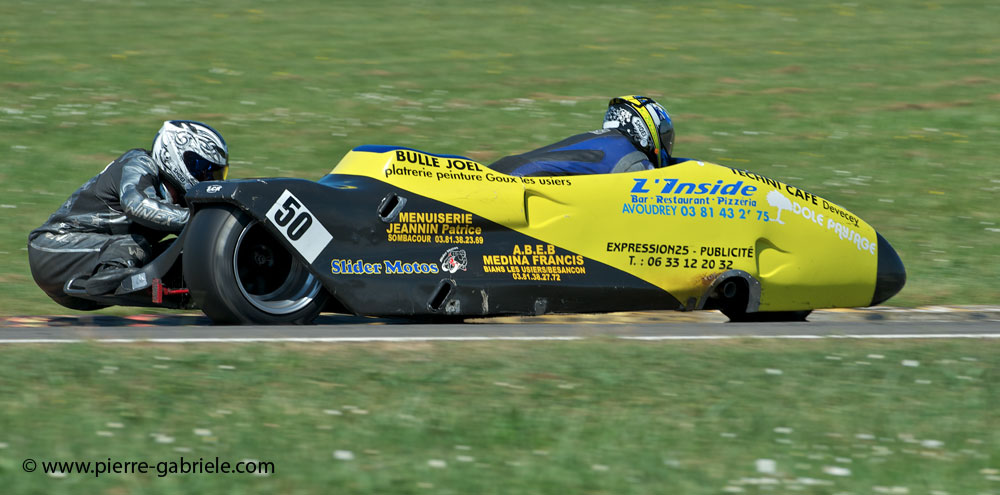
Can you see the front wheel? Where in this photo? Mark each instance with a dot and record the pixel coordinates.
(238, 273)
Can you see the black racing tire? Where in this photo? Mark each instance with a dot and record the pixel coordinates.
(766, 316)
(238, 273)
(77, 303)
(734, 296)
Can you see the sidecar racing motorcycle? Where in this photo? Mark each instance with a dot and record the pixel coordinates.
(397, 232)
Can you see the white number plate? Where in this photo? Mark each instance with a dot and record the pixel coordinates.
(299, 226)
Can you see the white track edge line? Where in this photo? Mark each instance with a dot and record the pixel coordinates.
(334, 340)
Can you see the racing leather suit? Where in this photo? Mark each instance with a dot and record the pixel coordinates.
(604, 151)
(113, 220)
(597, 152)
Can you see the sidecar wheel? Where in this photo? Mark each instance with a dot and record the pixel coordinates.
(767, 316)
(238, 273)
(733, 296)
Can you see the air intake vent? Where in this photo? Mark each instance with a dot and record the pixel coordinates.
(440, 296)
(390, 207)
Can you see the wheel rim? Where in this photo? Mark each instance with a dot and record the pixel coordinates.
(267, 274)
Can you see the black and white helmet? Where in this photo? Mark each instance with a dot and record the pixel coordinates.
(189, 152)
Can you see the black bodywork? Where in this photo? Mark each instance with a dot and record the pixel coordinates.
(358, 220)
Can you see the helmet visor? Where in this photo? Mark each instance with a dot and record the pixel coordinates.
(203, 169)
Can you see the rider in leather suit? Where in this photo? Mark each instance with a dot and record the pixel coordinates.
(111, 225)
(637, 135)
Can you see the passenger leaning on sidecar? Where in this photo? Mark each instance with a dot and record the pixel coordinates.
(637, 135)
(109, 226)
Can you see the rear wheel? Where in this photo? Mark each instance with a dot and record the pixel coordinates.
(239, 273)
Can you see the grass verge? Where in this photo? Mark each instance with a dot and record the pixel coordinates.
(595, 416)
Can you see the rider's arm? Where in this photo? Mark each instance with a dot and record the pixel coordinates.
(635, 161)
(138, 196)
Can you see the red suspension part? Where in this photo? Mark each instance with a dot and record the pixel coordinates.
(159, 290)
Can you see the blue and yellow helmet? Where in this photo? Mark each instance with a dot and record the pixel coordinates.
(646, 122)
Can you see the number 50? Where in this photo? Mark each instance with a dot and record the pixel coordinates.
(295, 225)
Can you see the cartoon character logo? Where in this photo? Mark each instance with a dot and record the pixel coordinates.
(454, 260)
(779, 201)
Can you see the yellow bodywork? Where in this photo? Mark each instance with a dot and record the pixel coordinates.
(677, 228)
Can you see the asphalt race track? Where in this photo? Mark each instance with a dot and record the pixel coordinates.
(883, 323)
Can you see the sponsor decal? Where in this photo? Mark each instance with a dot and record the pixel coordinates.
(850, 235)
(733, 200)
(454, 260)
(359, 267)
(400, 268)
(430, 166)
(386, 267)
(535, 262)
(214, 188)
(674, 186)
(672, 197)
(681, 256)
(409, 163)
(832, 208)
(644, 248)
(801, 195)
(727, 251)
(433, 227)
(778, 200)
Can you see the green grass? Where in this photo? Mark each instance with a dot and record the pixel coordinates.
(834, 416)
(890, 109)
